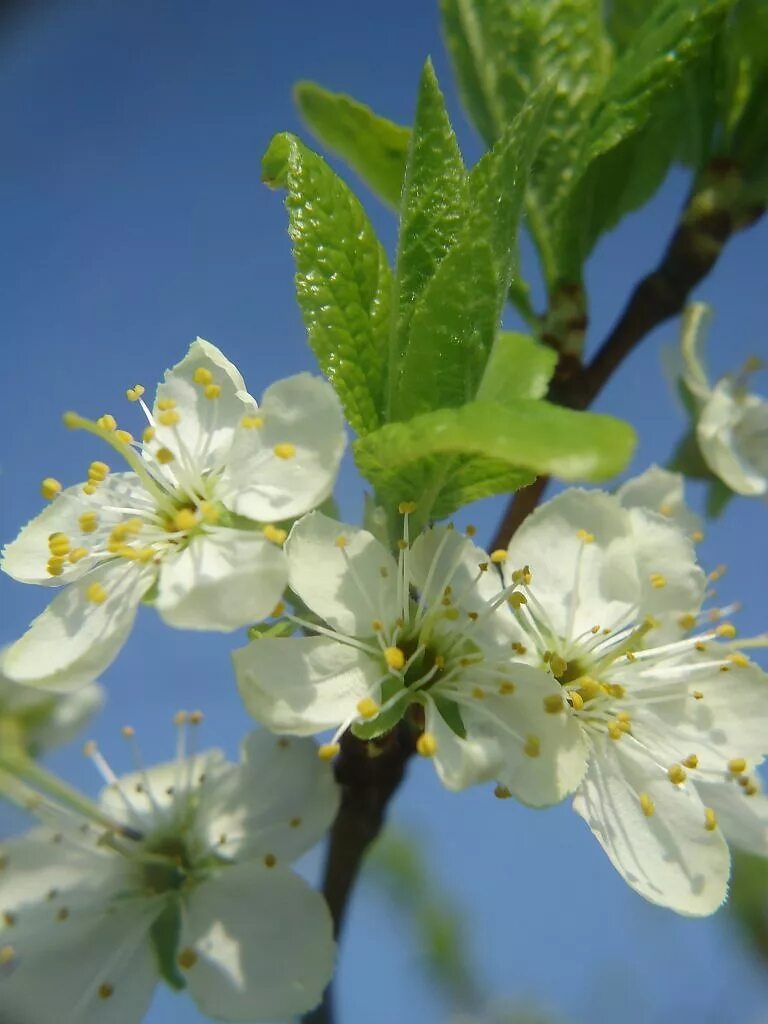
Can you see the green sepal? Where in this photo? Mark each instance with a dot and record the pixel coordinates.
(164, 936)
(719, 496)
(451, 715)
(275, 631)
(384, 722)
(518, 367)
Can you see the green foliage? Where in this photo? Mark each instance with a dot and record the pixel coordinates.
(450, 457)
(343, 282)
(748, 904)
(518, 367)
(625, 18)
(164, 936)
(374, 147)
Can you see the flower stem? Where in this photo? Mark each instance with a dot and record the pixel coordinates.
(369, 774)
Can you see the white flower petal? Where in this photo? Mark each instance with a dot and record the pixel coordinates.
(461, 763)
(74, 640)
(165, 790)
(349, 587)
(743, 818)
(732, 432)
(579, 584)
(279, 801)
(263, 941)
(303, 685)
(222, 580)
(669, 857)
(206, 426)
(26, 558)
(663, 492)
(303, 412)
(695, 320)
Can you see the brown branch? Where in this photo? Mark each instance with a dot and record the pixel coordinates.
(369, 774)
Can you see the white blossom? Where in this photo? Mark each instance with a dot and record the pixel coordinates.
(195, 526)
(191, 883)
(426, 637)
(675, 721)
(663, 492)
(731, 422)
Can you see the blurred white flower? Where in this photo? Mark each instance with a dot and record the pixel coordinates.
(663, 492)
(192, 526)
(674, 722)
(190, 884)
(731, 422)
(426, 636)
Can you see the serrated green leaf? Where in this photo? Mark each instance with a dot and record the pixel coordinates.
(374, 147)
(446, 458)
(343, 282)
(455, 320)
(518, 367)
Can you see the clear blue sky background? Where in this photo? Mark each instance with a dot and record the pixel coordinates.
(133, 220)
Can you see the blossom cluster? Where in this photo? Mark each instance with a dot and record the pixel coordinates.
(580, 661)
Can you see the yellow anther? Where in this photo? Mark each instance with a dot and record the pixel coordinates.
(98, 471)
(252, 422)
(519, 648)
(55, 566)
(274, 534)
(212, 391)
(285, 450)
(377, 625)
(658, 580)
(737, 765)
(71, 420)
(209, 512)
(77, 554)
(128, 528)
(558, 665)
(553, 703)
(59, 544)
(739, 660)
(613, 690)
(451, 614)
(630, 656)
(164, 456)
(585, 536)
(278, 610)
(90, 488)
(7, 953)
(168, 418)
(665, 509)
(471, 530)
(439, 661)
(501, 792)
(478, 693)
(125, 436)
(426, 745)
(394, 657)
(647, 805)
(127, 731)
(341, 541)
(180, 718)
(717, 573)
(49, 488)
(532, 747)
(148, 434)
(185, 519)
(202, 376)
(589, 688)
(623, 717)
(134, 394)
(327, 751)
(367, 708)
(710, 819)
(506, 688)
(751, 788)
(687, 621)
(106, 422)
(406, 507)
(577, 701)
(145, 554)
(615, 730)
(697, 536)
(517, 600)
(697, 695)
(700, 646)
(726, 630)
(402, 544)
(105, 990)
(96, 593)
(187, 958)
(196, 717)
(164, 404)
(523, 575)
(677, 774)
(498, 556)
(692, 761)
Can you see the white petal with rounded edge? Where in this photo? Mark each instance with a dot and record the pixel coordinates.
(206, 426)
(733, 436)
(669, 858)
(266, 956)
(463, 762)
(349, 587)
(578, 584)
(26, 558)
(304, 412)
(74, 640)
(223, 579)
(304, 685)
(280, 800)
(663, 492)
(743, 819)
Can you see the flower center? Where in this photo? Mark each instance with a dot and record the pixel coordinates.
(166, 864)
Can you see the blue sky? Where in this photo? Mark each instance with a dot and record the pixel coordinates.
(134, 220)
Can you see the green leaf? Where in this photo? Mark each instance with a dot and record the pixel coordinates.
(447, 458)
(718, 497)
(455, 320)
(518, 367)
(343, 282)
(374, 147)
(625, 18)
(164, 936)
